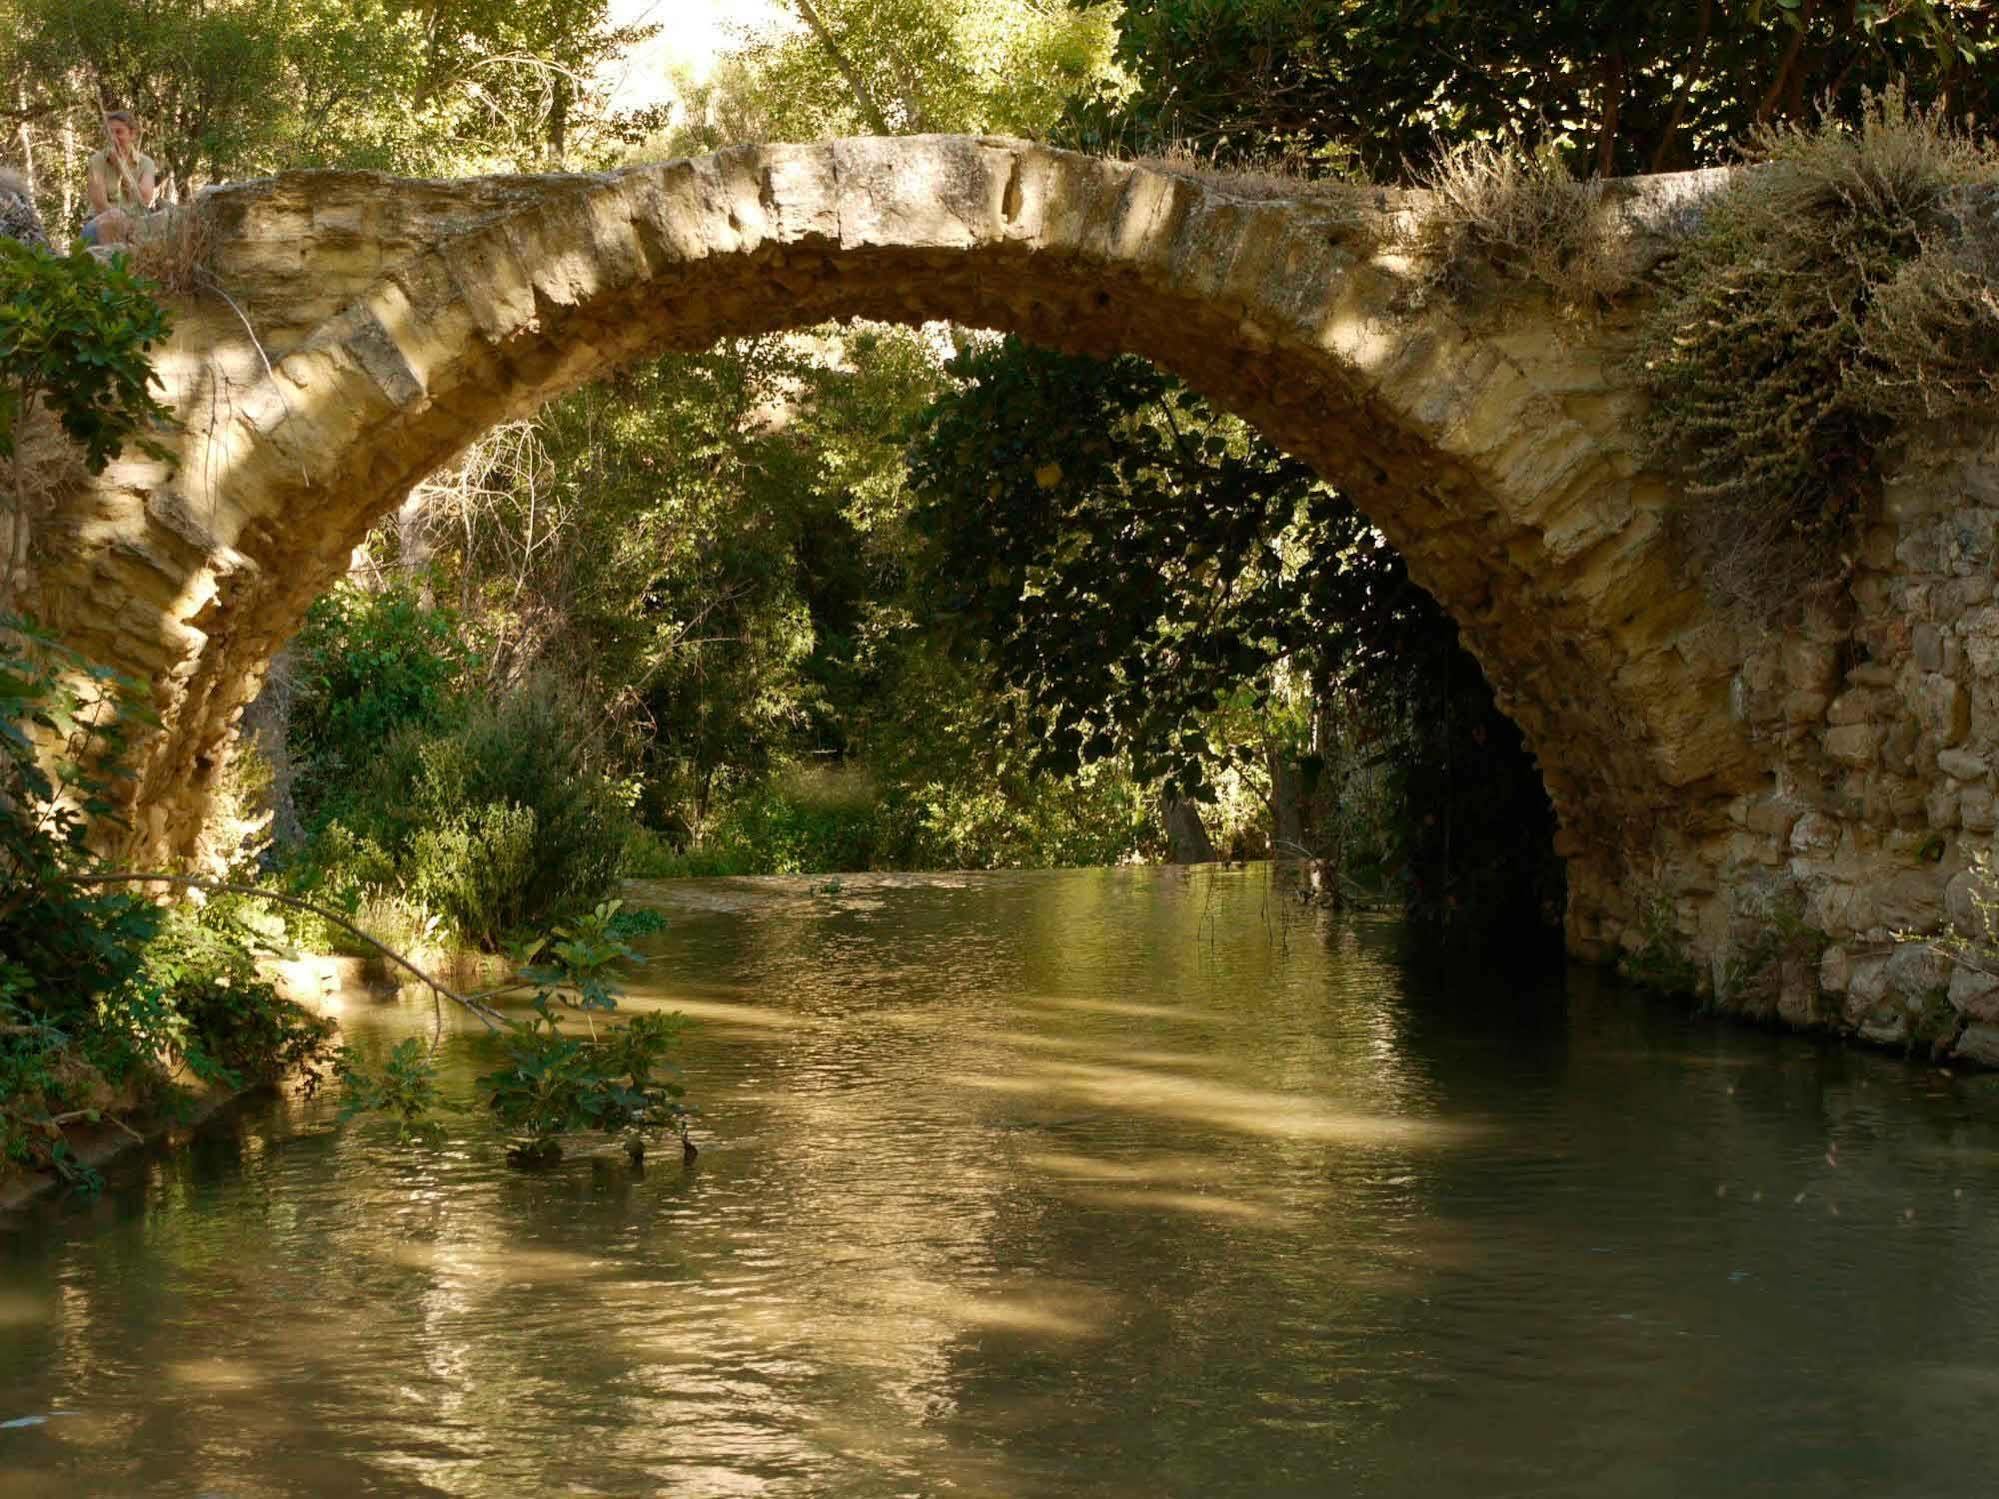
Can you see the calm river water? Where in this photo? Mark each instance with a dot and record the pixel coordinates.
(1091, 1183)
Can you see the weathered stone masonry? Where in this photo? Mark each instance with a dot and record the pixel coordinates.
(1699, 775)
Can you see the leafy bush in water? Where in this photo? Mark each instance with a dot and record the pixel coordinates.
(547, 1081)
(503, 820)
(404, 1089)
(550, 1081)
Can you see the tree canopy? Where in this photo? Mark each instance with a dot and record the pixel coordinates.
(242, 87)
(1619, 86)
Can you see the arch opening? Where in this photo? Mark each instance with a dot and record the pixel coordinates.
(400, 320)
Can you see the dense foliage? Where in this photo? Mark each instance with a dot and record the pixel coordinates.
(1145, 578)
(1087, 560)
(74, 336)
(234, 90)
(108, 1002)
(483, 813)
(363, 666)
(1381, 86)
(887, 67)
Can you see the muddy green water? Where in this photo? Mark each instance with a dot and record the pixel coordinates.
(1095, 1183)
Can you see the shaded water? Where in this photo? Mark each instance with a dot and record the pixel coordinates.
(1103, 1182)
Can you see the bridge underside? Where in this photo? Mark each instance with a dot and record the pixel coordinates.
(396, 321)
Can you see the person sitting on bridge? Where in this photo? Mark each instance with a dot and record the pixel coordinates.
(123, 183)
(19, 218)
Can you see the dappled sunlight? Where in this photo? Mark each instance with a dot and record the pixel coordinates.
(723, 1013)
(1041, 1309)
(1124, 1009)
(1249, 1111)
(18, 1309)
(1107, 1049)
(492, 1266)
(1194, 1204)
(1170, 1170)
(215, 1374)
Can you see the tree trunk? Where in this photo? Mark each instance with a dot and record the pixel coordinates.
(1287, 812)
(558, 125)
(1612, 79)
(413, 543)
(266, 728)
(1187, 840)
(1663, 156)
(863, 100)
(27, 146)
(68, 217)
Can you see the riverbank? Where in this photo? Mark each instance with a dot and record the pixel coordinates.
(152, 1106)
(121, 1132)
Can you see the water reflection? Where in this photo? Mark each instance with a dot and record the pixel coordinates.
(1104, 1182)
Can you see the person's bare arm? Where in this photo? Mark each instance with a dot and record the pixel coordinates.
(149, 187)
(96, 191)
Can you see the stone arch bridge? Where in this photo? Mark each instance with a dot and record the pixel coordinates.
(1699, 775)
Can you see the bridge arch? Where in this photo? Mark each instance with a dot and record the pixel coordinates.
(398, 320)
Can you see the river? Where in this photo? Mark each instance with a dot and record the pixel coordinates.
(1108, 1183)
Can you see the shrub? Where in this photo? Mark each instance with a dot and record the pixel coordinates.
(171, 248)
(105, 998)
(1932, 344)
(841, 821)
(228, 1023)
(1095, 817)
(74, 331)
(63, 726)
(1799, 323)
(363, 666)
(504, 819)
(547, 1082)
(1499, 211)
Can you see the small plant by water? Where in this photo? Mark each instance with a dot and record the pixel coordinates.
(1660, 962)
(549, 1078)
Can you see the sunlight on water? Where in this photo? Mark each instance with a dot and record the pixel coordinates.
(18, 1310)
(1249, 1110)
(1091, 1183)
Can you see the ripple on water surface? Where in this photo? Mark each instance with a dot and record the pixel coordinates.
(1082, 1183)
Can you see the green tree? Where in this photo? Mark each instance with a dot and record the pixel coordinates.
(891, 67)
(1145, 579)
(74, 336)
(363, 666)
(1380, 85)
(242, 87)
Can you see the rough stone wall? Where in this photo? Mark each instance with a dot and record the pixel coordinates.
(396, 321)
(1880, 711)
